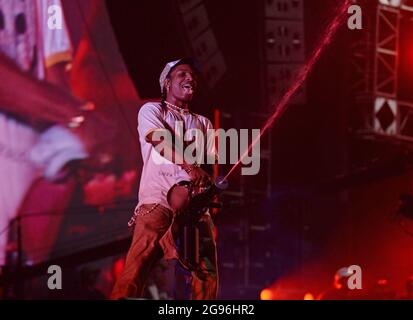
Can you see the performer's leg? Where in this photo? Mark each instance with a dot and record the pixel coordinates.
(205, 280)
(143, 253)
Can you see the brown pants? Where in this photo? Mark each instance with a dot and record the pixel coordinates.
(146, 250)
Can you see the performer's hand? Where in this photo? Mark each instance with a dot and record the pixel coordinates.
(199, 177)
(97, 135)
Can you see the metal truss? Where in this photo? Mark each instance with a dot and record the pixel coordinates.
(375, 60)
(361, 49)
(386, 59)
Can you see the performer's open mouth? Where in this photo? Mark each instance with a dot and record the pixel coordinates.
(188, 88)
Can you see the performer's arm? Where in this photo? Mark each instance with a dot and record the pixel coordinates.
(148, 123)
(28, 98)
(57, 74)
(198, 175)
(40, 101)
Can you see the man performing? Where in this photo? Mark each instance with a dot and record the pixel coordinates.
(154, 215)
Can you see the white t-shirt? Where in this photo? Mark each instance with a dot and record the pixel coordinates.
(157, 178)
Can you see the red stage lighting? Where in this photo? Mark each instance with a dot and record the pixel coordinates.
(267, 294)
(309, 296)
(118, 267)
